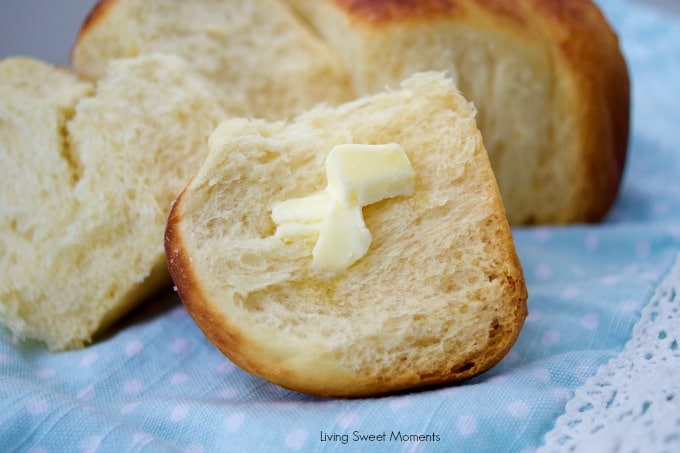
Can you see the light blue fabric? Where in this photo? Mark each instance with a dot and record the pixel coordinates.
(156, 384)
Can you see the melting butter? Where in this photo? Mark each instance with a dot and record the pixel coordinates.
(357, 175)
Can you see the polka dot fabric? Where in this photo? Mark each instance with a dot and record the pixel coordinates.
(156, 384)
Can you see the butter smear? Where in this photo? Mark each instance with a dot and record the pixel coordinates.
(357, 175)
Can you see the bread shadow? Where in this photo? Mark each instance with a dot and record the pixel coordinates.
(643, 195)
(159, 304)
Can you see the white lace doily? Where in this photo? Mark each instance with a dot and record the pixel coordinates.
(632, 404)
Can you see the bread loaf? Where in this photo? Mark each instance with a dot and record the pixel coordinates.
(87, 176)
(547, 76)
(255, 57)
(438, 297)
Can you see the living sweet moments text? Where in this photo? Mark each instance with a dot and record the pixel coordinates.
(385, 436)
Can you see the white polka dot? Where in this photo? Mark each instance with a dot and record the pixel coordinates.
(414, 447)
(89, 359)
(195, 448)
(141, 438)
(550, 338)
(674, 230)
(590, 321)
(296, 439)
(37, 406)
(229, 392)
(534, 316)
(179, 346)
(234, 421)
(179, 413)
(518, 409)
(86, 393)
(542, 234)
(592, 241)
(650, 276)
(542, 374)
(578, 271)
(347, 419)
(610, 280)
(37, 449)
(128, 408)
(46, 373)
(561, 395)
(543, 272)
(90, 444)
(225, 368)
(132, 386)
(398, 403)
(570, 292)
(133, 348)
(629, 305)
(630, 269)
(642, 249)
(179, 378)
(512, 357)
(466, 425)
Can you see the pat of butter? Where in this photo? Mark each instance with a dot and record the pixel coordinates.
(364, 174)
(357, 175)
(309, 209)
(291, 230)
(343, 238)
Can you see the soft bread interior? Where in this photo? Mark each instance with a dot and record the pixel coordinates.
(253, 56)
(439, 296)
(89, 174)
(36, 101)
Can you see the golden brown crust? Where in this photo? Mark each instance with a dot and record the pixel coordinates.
(391, 11)
(398, 10)
(99, 11)
(595, 76)
(599, 77)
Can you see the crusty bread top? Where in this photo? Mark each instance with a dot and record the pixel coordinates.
(440, 294)
(547, 76)
(389, 11)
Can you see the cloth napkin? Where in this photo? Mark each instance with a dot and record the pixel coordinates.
(156, 384)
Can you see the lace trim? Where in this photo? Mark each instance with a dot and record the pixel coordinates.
(632, 403)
